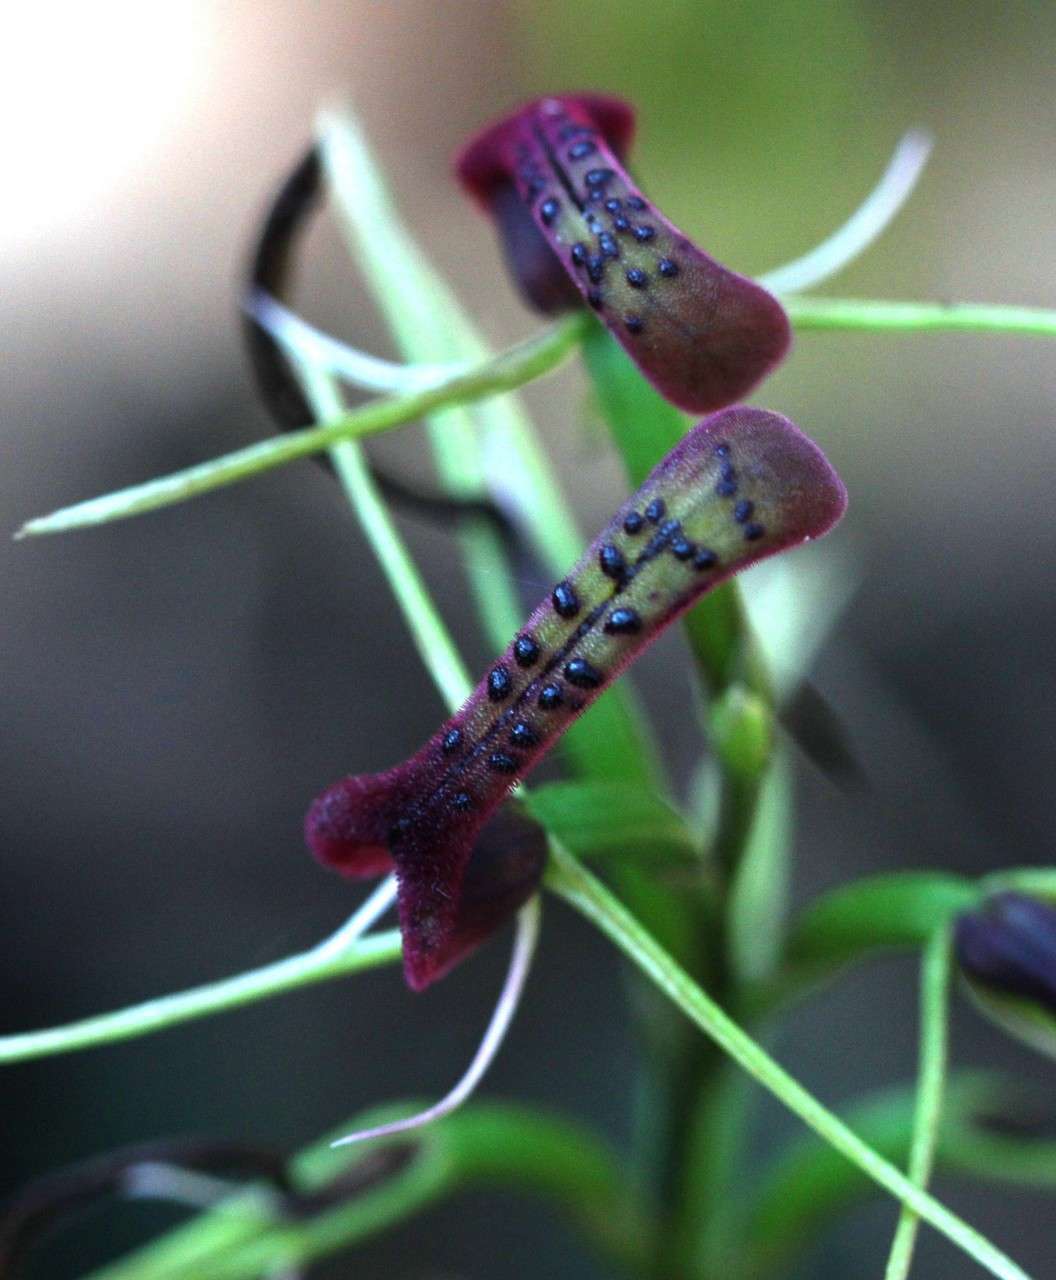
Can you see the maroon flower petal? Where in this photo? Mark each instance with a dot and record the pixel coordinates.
(741, 486)
(576, 228)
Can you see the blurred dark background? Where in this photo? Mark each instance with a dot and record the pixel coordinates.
(175, 689)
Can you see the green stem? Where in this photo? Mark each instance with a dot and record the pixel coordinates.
(569, 880)
(514, 367)
(913, 317)
(214, 997)
(931, 1086)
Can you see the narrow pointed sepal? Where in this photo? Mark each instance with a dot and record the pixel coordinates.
(743, 485)
(576, 229)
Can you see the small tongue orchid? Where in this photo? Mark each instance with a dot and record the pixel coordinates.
(739, 487)
(575, 228)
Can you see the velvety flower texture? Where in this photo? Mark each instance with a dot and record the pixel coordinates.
(576, 228)
(741, 486)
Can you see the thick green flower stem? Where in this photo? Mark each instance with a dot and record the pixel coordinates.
(577, 886)
(482, 1145)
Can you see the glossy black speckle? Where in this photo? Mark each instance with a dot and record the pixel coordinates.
(722, 450)
(611, 560)
(582, 674)
(742, 512)
(633, 522)
(705, 559)
(451, 740)
(551, 696)
(613, 204)
(501, 762)
(753, 532)
(682, 548)
(637, 278)
(608, 246)
(633, 323)
(579, 150)
(500, 686)
(644, 233)
(636, 202)
(523, 735)
(728, 472)
(726, 488)
(623, 621)
(462, 801)
(620, 223)
(595, 299)
(566, 602)
(655, 510)
(597, 177)
(526, 651)
(596, 269)
(670, 528)
(549, 210)
(578, 254)
(667, 268)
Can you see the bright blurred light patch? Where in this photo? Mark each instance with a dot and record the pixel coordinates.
(89, 93)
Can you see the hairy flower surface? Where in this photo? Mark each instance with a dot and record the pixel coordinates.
(739, 487)
(576, 228)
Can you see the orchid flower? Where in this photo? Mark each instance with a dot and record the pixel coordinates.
(576, 228)
(739, 487)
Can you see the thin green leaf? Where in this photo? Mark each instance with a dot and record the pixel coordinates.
(494, 1145)
(512, 368)
(899, 909)
(213, 997)
(606, 819)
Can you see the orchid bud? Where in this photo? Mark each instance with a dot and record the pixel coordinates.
(739, 487)
(1007, 952)
(576, 229)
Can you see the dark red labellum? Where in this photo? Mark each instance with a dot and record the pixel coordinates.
(676, 538)
(576, 229)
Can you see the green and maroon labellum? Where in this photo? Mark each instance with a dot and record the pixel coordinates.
(741, 486)
(576, 229)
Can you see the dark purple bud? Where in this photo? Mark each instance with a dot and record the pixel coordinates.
(575, 228)
(1009, 946)
(425, 817)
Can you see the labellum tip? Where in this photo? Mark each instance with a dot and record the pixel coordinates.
(577, 230)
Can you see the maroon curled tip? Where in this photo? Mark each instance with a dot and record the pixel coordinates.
(576, 229)
(742, 485)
